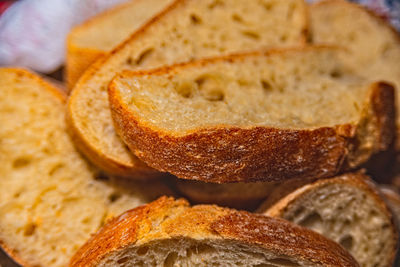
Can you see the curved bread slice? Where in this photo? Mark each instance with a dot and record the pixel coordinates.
(168, 232)
(51, 200)
(374, 44)
(276, 115)
(347, 209)
(97, 36)
(187, 30)
(234, 195)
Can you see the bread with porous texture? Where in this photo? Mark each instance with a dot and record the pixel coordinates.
(186, 30)
(169, 232)
(348, 209)
(373, 42)
(245, 196)
(96, 37)
(51, 199)
(261, 116)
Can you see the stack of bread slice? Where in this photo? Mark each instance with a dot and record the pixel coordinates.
(243, 102)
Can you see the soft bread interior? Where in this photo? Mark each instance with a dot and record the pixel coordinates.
(51, 200)
(293, 89)
(192, 252)
(195, 29)
(349, 216)
(374, 46)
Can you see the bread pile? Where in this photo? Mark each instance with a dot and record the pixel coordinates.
(270, 106)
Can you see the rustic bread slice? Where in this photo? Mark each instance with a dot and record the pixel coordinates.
(169, 232)
(265, 116)
(188, 29)
(347, 209)
(51, 200)
(97, 36)
(374, 44)
(246, 196)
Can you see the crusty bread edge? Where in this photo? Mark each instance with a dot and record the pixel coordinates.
(61, 96)
(225, 224)
(344, 151)
(106, 162)
(357, 179)
(384, 23)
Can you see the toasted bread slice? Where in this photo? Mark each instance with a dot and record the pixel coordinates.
(169, 232)
(264, 116)
(51, 199)
(347, 209)
(97, 36)
(246, 196)
(187, 30)
(374, 44)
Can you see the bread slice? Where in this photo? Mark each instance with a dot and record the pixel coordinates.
(246, 196)
(97, 36)
(187, 30)
(374, 44)
(169, 232)
(347, 209)
(51, 199)
(264, 116)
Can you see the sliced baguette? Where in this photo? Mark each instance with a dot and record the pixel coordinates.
(246, 196)
(169, 232)
(187, 30)
(51, 199)
(97, 36)
(262, 116)
(347, 209)
(374, 44)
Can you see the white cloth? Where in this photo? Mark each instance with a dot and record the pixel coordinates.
(33, 32)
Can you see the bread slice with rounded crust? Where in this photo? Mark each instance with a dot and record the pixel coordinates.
(97, 36)
(51, 199)
(373, 42)
(233, 195)
(347, 209)
(186, 30)
(169, 232)
(266, 116)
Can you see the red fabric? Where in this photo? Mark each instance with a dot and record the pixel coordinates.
(4, 5)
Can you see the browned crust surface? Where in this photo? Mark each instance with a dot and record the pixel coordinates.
(103, 161)
(356, 179)
(236, 154)
(211, 223)
(58, 94)
(381, 20)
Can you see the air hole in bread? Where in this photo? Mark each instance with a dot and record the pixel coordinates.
(21, 162)
(195, 19)
(170, 259)
(335, 74)
(100, 176)
(346, 242)
(283, 38)
(29, 229)
(185, 89)
(283, 262)
(56, 168)
(114, 197)
(142, 251)
(268, 6)
(215, 4)
(237, 18)
(141, 58)
(267, 87)
(123, 260)
(210, 88)
(311, 221)
(251, 34)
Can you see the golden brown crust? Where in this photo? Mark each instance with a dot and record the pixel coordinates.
(356, 179)
(175, 219)
(325, 151)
